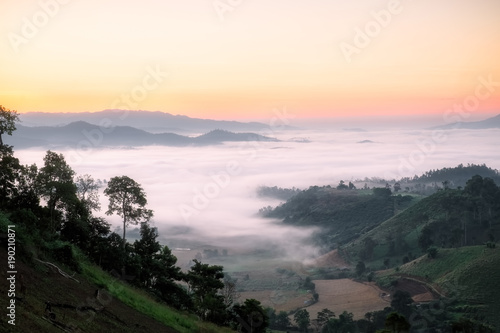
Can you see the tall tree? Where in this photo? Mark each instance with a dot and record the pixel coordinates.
(205, 283)
(55, 184)
(401, 302)
(282, 320)
(128, 200)
(302, 319)
(324, 316)
(9, 174)
(397, 323)
(251, 316)
(8, 120)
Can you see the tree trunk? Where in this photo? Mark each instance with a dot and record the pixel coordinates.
(124, 244)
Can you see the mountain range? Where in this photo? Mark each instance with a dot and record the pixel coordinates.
(151, 121)
(82, 134)
(493, 122)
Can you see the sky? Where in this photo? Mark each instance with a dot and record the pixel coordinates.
(240, 59)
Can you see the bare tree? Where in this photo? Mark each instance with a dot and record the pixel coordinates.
(229, 293)
(87, 190)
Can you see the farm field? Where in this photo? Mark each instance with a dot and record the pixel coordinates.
(276, 283)
(347, 295)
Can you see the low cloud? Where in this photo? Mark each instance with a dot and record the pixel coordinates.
(174, 177)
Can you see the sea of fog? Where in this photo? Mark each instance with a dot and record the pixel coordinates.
(207, 195)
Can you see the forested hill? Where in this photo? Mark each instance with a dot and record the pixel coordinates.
(431, 181)
(456, 176)
(345, 214)
(447, 219)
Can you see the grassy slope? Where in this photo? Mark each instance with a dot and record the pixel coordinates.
(129, 310)
(143, 303)
(470, 274)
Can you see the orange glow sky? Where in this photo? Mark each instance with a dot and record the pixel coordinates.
(264, 54)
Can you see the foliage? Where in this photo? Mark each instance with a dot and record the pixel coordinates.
(360, 268)
(8, 119)
(302, 319)
(432, 252)
(205, 283)
(127, 199)
(55, 184)
(401, 302)
(343, 324)
(397, 323)
(277, 192)
(342, 214)
(87, 190)
(324, 316)
(251, 316)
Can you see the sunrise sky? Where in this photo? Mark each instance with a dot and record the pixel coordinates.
(240, 59)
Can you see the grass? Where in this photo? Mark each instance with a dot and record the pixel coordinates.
(140, 301)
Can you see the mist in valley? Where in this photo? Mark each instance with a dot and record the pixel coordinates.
(206, 197)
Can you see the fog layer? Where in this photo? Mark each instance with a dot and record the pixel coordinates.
(207, 195)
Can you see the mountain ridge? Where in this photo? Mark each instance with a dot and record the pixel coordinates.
(492, 122)
(152, 121)
(81, 133)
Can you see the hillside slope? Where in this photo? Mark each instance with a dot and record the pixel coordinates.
(467, 276)
(47, 285)
(117, 308)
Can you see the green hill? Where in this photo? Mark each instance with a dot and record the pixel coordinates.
(343, 215)
(468, 277)
(448, 218)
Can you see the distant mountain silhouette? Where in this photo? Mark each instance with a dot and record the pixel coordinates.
(83, 135)
(493, 122)
(151, 121)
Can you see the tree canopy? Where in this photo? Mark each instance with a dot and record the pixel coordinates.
(127, 199)
(8, 120)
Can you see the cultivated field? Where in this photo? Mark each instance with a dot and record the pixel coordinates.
(348, 295)
(277, 283)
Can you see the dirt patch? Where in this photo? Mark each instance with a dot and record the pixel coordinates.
(348, 295)
(418, 290)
